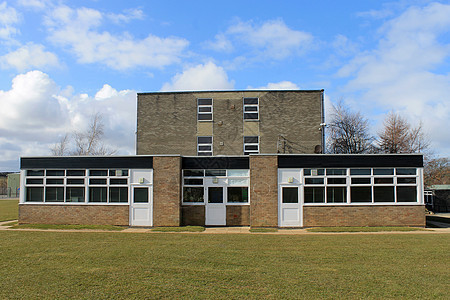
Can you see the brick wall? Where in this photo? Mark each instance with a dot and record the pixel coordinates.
(264, 191)
(166, 191)
(238, 215)
(376, 215)
(74, 214)
(193, 215)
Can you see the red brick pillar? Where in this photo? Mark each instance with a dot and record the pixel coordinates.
(263, 190)
(166, 191)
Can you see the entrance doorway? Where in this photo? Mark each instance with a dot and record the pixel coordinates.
(141, 213)
(290, 207)
(215, 206)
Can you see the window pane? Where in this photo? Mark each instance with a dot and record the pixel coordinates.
(383, 171)
(360, 194)
(237, 173)
(97, 194)
(204, 148)
(336, 194)
(336, 171)
(35, 181)
(383, 193)
(97, 181)
(54, 181)
(250, 100)
(406, 180)
(251, 147)
(404, 171)
(406, 194)
(314, 172)
(193, 181)
(250, 108)
(240, 181)
(204, 109)
(204, 139)
(251, 116)
(118, 181)
(35, 172)
(382, 180)
(238, 194)
(34, 194)
(98, 172)
(314, 194)
(75, 181)
(76, 172)
(204, 101)
(360, 180)
(193, 173)
(215, 172)
(290, 195)
(204, 154)
(55, 172)
(118, 172)
(250, 139)
(54, 194)
(193, 194)
(360, 172)
(205, 117)
(215, 195)
(118, 194)
(313, 180)
(336, 180)
(74, 194)
(140, 195)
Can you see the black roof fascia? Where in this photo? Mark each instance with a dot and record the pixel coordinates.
(225, 91)
(350, 161)
(225, 162)
(87, 162)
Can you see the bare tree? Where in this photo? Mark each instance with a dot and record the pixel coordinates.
(436, 171)
(88, 142)
(348, 132)
(398, 136)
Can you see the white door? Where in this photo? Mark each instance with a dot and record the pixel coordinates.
(215, 206)
(141, 213)
(290, 208)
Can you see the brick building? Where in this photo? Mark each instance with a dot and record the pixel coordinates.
(241, 158)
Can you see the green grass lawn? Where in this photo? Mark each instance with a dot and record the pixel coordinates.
(9, 210)
(363, 229)
(180, 229)
(84, 265)
(69, 226)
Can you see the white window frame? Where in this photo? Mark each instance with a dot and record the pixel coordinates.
(247, 152)
(245, 106)
(210, 112)
(204, 144)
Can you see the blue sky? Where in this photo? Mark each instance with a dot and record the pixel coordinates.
(62, 61)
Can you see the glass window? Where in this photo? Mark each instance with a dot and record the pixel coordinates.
(406, 180)
(193, 181)
(336, 194)
(97, 181)
(237, 173)
(76, 172)
(360, 194)
(290, 194)
(314, 194)
(384, 180)
(75, 181)
(238, 181)
(54, 181)
(336, 171)
(35, 172)
(118, 172)
(215, 172)
(35, 181)
(74, 194)
(383, 171)
(54, 194)
(140, 195)
(313, 172)
(358, 180)
(251, 145)
(118, 181)
(336, 180)
(406, 194)
(360, 171)
(193, 194)
(98, 172)
(383, 193)
(34, 194)
(406, 171)
(251, 108)
(118, 194)
(204, 109)
(313, 180)
(193, 173)
(238, 194)
(55, 172)
(204, 146)
(97, 194)
(215, 195)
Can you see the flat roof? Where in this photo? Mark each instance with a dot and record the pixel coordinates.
(226, 91)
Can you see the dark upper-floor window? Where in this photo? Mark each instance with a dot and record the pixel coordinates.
(251, 145)
(204, 109)
(204, 146)
(251, 109)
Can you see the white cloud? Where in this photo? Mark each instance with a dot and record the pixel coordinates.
(201, 77)
(343, 46)
(36, 112)
(127, 16)
(274, 39)
(221, 43)
(28, 57)
(403, 73)
(37, 4)
(78, 31)
(8, 18)
(282, 85)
